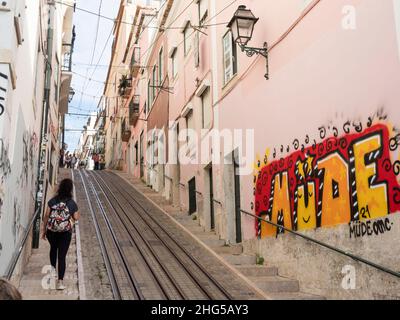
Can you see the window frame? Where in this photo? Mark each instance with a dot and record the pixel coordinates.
(186, 46)
(160, 66)
(174, 63)
(206, 92)
(202, 17)
(233, 58)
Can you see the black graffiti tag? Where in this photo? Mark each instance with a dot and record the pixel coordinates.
(3, 93)
(368, 228)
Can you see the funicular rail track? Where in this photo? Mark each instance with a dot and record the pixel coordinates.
(155, 264)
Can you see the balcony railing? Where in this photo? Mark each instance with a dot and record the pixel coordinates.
(125, 87)
(125, 132)
(134, 110)
(67, 62)
(69, 49)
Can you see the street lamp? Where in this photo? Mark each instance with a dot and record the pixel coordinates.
(71, 94)
(242, 27)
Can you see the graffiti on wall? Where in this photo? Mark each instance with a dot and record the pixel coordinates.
(16, 225)
(368, 228)
(5, 166)
(3, 92)
(343, 178)
(29, 149)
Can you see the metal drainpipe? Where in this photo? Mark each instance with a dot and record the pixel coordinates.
(43, 137)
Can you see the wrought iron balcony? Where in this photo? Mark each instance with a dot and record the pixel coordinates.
(125, 87)
(125, 132)
(134, 110)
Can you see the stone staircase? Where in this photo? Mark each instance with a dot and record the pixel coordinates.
(264, 277)
(35, 283)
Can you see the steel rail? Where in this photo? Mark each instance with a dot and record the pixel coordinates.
(183, 249)
(133, 281)
(144, 256)
(155, 233)
(106, 258)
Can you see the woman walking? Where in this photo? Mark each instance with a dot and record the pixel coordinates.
(60, 214)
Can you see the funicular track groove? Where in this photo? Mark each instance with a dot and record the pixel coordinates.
(174, 271)
(106, 247)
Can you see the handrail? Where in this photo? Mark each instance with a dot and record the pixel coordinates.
(17, 254)
(169, 178)
(181, 184)
(219, 202)
(348, 254)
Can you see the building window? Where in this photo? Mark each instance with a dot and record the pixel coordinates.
(174, 62)
(136, 153)
(160, 67)
(149, 92)
(189, 126)
(203, 11)
(230, 57)
(206, 109)
(56, 81)
(154, 84)
(186, 38)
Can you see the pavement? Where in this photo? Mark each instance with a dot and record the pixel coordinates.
(36, 282)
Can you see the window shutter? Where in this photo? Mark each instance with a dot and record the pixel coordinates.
(202, 10)
(196, 49)
(228, 59)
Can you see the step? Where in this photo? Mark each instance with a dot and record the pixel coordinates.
(187, 221)
(294, 296)
(276, 284)
(195, 229)
(234, 249)
(257, 271)
(239, 259)
(213, 242)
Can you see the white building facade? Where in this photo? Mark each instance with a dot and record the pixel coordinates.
(33, 97)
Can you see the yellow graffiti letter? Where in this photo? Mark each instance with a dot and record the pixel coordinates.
(372, 200)
(306, 215)
(335, 191)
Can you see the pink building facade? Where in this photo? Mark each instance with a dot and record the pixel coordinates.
(316, 149)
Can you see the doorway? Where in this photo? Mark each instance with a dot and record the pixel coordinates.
(238, 213)
(141, 156)
(211, 195)
(192, 196)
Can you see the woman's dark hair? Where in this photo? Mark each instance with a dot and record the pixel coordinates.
(8, 291)
(65, 189)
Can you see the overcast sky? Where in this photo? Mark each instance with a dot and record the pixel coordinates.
(85, 28)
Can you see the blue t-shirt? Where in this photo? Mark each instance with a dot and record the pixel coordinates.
(71, 204)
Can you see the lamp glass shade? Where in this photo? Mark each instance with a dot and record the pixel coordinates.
(242, 25)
